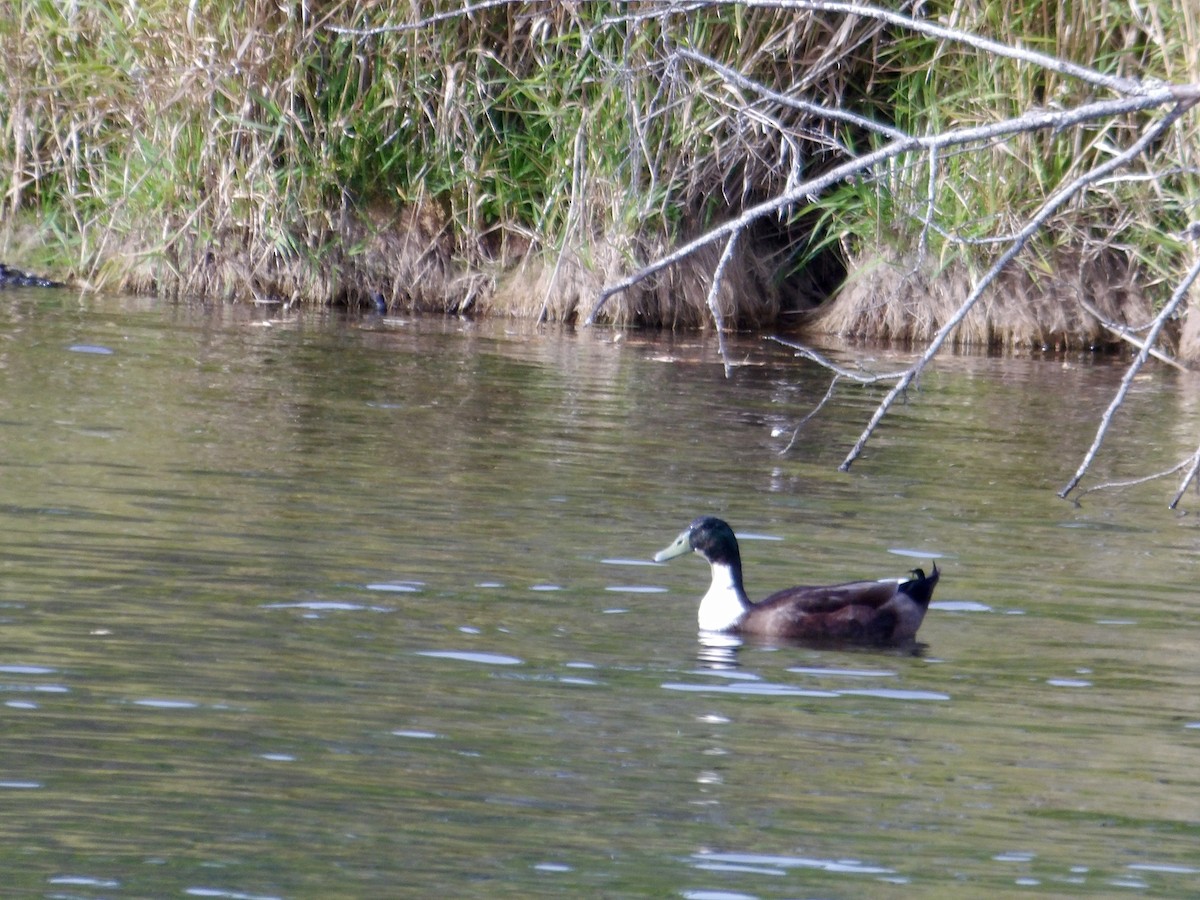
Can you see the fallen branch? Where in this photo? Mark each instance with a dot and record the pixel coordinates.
(711, 300)
(1125, 334)
(1167, 311)
(1134, 482)
(816, 409)
(746, 105)
(1056, 200)
(941, 32)
(1032, 121)
(817, 110)
(1187, 478)
(839, 371)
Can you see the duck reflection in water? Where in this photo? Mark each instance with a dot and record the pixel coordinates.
(720, 651)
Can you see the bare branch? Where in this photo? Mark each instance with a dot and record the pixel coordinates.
(714, 308)
(816, 409)
(577, 179)
(1187, 478)
(1114, 83)
(1167, 311)
(1057, 199)
(1127, 334)
(1133, 482)
(1031, 121)
(805, 106)
(466, 9)
(759, 106)
(842, 372)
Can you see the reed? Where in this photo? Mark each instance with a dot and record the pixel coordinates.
(515, 159)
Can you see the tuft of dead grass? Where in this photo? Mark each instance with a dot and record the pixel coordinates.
(677, 298)
(898, 299)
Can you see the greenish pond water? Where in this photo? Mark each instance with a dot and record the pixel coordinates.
(338, 608)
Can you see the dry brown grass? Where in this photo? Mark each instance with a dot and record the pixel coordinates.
(565, 291)
(890, 299)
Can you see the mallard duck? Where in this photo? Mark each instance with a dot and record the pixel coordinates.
(864, 612)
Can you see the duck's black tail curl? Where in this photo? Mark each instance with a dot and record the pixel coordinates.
(920, 586)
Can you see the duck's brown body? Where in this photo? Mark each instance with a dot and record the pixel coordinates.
(868, 612)
(863, 612)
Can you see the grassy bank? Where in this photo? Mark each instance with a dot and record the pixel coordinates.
(516, 159)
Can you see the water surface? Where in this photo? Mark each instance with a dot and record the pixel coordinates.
(364, 608)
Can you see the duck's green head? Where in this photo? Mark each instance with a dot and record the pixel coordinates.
(710, 537)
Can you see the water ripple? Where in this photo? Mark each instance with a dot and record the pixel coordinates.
(34, 688)
(494, 659)
(155, 703)
(960, 606)
(84, 881)
(27, 670)
(848, 673)
(780, 864)
(891, 694)
(770, 689)
(916, 554)
(328, 606)
(762, 688)
(397, 587)
(1165, 868)
(552, 867)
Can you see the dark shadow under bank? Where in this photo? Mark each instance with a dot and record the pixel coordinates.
(1065, 303)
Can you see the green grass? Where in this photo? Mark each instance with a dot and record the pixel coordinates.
(991, 191)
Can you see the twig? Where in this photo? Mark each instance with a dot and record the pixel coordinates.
(466, 9)
(1115, 83)
(1126, 334)
(816, 409)
(927, 221)
(713, 307)
(826, 363)
(1181, 291)
(1187, 478)
(580, 149)
(805, 106)
(839, 372)
(1133, 482)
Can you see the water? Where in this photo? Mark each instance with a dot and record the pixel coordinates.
(364, 609)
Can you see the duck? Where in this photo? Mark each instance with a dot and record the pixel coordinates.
(878, 613)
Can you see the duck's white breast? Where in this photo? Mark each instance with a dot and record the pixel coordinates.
(723, 605)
